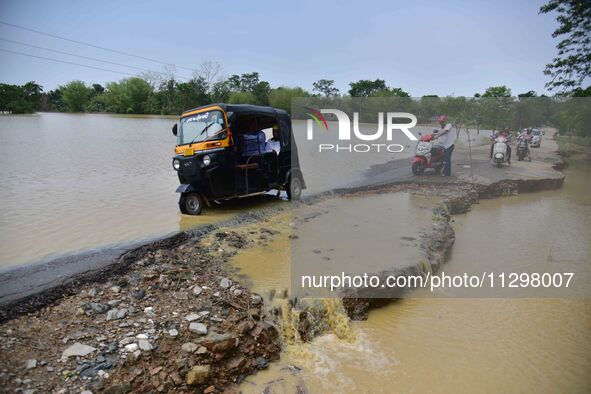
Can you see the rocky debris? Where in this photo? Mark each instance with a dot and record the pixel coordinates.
(31, 363)
(256, 299)
(139, 294)
(145, 345)
(261, 363)
(128, 331)
(173, 332)
(218, 343)
(95, 307)
(198, 328)
(181, 295)
(189, 347)
(95, 367)
(77, 350)
(116, 314)
(225, 283)
(192, 317)
(198, 375)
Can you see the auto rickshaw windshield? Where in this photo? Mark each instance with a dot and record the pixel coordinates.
(203, 126)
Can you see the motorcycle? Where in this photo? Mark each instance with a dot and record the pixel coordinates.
(522, 149)
(428, 155)
(500, 151)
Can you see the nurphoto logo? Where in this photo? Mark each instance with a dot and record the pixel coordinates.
(344, 131)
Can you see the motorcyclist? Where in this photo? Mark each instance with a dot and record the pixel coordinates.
(504, 133)
(526, 135)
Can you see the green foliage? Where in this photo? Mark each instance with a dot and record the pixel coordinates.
(241, 98)
(366, 87)
(20, 99)
(573, 117)
(325, 87)
(281, 97)
(128, 96)
(497, 91)
(572, 65)
(76, 96)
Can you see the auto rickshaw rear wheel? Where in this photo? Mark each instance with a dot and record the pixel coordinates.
(294, 190)
(191, 203)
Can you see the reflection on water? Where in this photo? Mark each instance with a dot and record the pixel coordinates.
(465, 345)
(72, 182)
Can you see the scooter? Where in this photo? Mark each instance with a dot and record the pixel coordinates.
(523, 150)
(500, 151)
(427, 155)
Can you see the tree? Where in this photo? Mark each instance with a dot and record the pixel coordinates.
(366, 88)
(580, 92)
(211, 73)
(129, 96)
(572, 65)
(428, 108)
(497, 91)
(241, 98)
(391, 92)
(191, 94)
(76, 96)
(326, 87)
(281, 97)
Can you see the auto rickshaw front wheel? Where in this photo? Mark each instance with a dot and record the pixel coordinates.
(294, 190)
(191, 203)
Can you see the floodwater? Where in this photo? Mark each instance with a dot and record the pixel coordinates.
(71, 182)
(78, 182)
(447, 345)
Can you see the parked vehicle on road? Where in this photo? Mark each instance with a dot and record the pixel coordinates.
(536, 140)
(221, 154)
(428, 155)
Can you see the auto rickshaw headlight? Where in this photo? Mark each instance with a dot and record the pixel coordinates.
(206, 160)
(176, 164)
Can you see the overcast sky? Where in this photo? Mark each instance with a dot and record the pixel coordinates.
(424, 47)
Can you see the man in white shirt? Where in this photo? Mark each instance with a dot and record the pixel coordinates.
(447, 138)
(273, 144)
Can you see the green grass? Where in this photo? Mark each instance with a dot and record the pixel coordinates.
(572, 144)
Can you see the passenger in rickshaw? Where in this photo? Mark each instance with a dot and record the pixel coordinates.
(253, 141)
(273, 144)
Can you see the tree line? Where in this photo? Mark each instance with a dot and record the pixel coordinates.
(494, 109)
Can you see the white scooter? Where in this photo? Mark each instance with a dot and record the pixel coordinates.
(500, 151)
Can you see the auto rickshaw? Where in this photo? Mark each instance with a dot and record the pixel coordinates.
(222, 154)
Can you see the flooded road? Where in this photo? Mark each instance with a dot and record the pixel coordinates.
(466, 345)
(82, 182)
(74, 182)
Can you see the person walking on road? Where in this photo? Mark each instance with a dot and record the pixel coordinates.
(447, 139)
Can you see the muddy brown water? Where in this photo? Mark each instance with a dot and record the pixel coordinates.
(74, 182)
(457, 345)
(78, 182)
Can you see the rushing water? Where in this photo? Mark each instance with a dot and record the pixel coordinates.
(463, 345)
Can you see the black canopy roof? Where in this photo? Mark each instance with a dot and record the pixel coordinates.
(245, 109)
